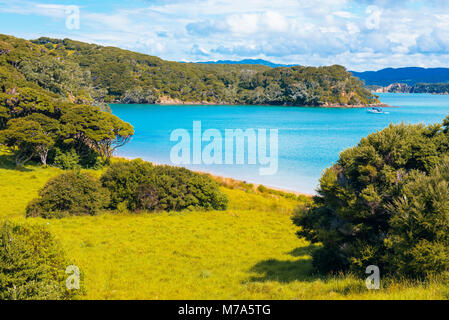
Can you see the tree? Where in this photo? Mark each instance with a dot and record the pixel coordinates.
(418, 242)
(113, 133)
(27, 138)
(26, 101)
(384, 203)
(55, 74)
(101, 131)
(50, 128)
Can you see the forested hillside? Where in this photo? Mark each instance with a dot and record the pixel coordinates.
(433, 88)
(94, 74)
(50, 112)
(409, 76)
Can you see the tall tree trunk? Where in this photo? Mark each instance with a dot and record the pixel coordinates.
(43, 157)
(43, 154)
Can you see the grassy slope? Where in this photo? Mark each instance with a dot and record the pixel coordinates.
(249, 251)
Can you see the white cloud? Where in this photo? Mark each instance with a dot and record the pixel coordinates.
(352, 28)
(243, 23)
(109, 22)
(344, 14)
(347, 32)
(275, 21)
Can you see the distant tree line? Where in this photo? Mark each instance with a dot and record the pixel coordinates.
(433, 88)
(95, 74)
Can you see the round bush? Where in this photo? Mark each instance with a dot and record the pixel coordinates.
(143, 186)
(67, 160)
(384, 203)
(32, 265)
(71, 193)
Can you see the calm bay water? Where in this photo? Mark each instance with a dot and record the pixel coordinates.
(310, 139)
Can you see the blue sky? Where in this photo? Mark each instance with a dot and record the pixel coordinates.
(361, 35)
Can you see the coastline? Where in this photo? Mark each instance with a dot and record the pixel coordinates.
(166, 101)
(203, 103)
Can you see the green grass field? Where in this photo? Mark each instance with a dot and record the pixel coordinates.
(249, 251)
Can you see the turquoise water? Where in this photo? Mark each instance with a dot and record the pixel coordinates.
(310, 139)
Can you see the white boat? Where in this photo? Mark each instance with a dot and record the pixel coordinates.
(376, 110)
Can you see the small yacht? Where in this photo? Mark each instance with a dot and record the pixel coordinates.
(376, 110)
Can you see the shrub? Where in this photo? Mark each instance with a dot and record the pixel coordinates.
(418, 241)
(71, 193)
(32, 265)
(123, 179)
(67, 160)
(381, 203)
(90, 159)
(143, 186)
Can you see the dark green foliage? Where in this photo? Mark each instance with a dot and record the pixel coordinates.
(123, 179)
(66, 160)
(56, 75)
(34, 125)
(385, 203)
(71, 193)
(418, 243)
(437, 88)
(92, 74)
(32, 265)
(47, 102)
(433, 88)
(27, 138)
(143, 186)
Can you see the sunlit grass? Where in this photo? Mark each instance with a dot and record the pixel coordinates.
(249, 251)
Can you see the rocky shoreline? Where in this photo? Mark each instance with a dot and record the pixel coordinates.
(358, 106)
(173, 102)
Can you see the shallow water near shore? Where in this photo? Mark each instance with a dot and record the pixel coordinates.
(310, 139)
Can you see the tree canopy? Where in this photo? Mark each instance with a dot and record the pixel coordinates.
(93, 73)
(384, 203)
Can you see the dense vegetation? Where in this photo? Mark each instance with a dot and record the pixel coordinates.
(249, 251)
(433, 88)
(139, 185)
(88, 73)
(41, 119)
(385, 203)
(71, 193)
(127, 185)
(409, 76)
(32, 265)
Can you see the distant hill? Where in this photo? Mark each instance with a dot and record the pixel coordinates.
(250, 61)
(409, 76)
(88, 72)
